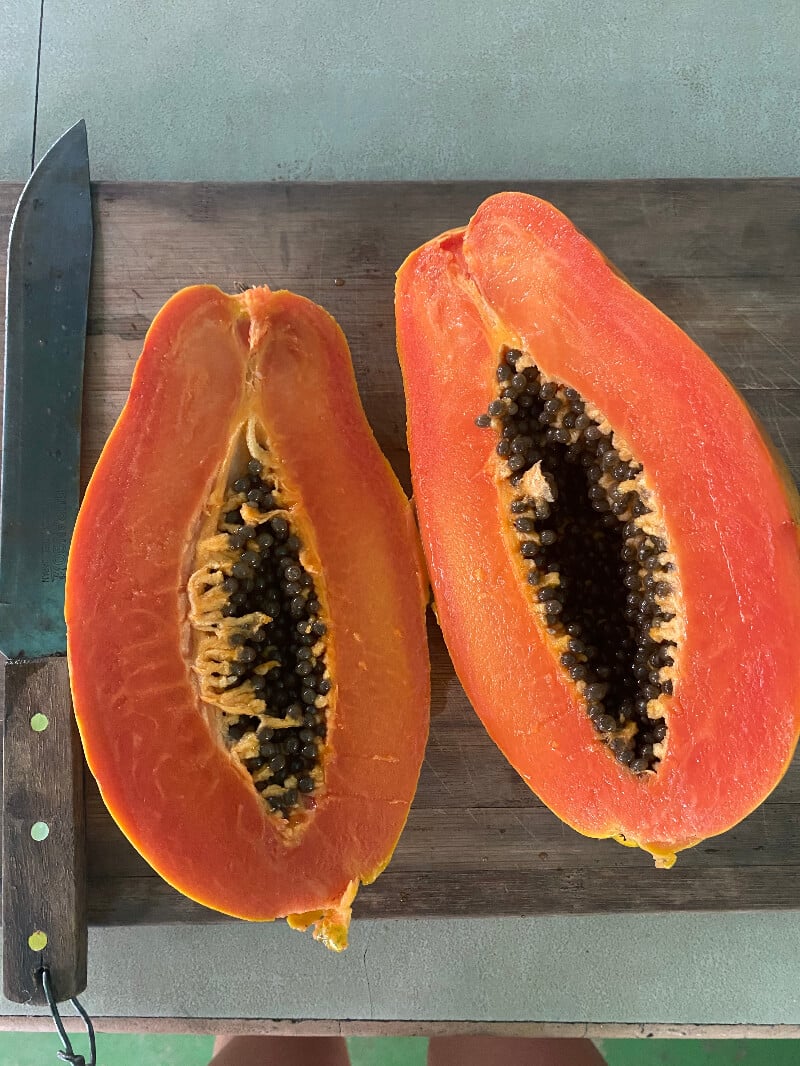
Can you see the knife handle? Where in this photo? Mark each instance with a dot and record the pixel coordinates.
(44, 846)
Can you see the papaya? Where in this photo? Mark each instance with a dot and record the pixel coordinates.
(245, 607)
(611, 539)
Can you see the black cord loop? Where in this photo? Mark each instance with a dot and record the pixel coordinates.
(69, 1054)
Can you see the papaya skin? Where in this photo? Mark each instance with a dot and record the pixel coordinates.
(521, 275)
(209, 362)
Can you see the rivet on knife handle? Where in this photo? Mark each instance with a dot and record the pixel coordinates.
(43, 834)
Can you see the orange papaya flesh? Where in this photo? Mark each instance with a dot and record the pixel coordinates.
(262, 752)
(521, 290)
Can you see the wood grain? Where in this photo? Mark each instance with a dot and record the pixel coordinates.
(44, 881)
(720, 257)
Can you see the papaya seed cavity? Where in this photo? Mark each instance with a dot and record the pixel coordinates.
(594, 552)
(261, 635)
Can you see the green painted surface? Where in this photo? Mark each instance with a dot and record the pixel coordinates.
(113, 1049)
(387, 1051)
(374, 89)
(35, 1049)
(701, 1052)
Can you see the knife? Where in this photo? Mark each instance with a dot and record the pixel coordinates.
(44, 852)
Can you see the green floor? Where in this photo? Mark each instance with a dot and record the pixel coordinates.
(37, 1049)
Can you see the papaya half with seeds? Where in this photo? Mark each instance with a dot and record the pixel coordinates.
(612, 544)
(245, 609)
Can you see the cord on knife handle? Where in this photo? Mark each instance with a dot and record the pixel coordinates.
(68, 1054)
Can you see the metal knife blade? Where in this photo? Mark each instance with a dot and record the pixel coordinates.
(47, 288)
(44, 853)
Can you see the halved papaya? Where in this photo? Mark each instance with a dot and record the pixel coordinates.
(612, 542)
(245, 609)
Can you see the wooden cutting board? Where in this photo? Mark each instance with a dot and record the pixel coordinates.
(720, 257)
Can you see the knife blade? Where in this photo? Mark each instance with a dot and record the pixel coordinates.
(47, 288)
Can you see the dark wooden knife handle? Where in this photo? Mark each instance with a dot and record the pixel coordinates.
(44, 880)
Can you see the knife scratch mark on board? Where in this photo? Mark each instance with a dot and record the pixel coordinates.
(265, 278)
(285, 254)
(321, 261)
(776, 344)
